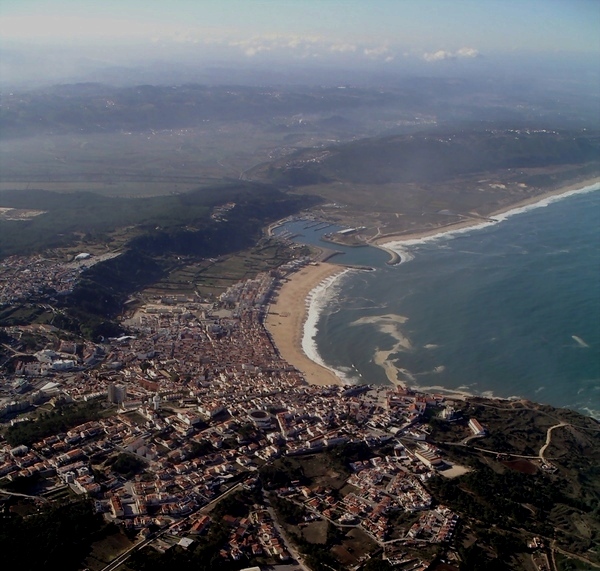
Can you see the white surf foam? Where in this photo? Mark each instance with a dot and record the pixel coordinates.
(403, 247)
(316, 301)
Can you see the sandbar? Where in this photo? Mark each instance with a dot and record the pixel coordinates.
(286, 317)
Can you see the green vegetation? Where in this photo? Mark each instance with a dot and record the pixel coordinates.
(350, 452)
(111, 543)
(329, 468)
(560, 506)
(435, 156)
(171, 233)
(326, 546)
(434, 178)
(210, 277)
(128, 465)
(203, 448)
(318, 540)
(288, 511)
(317, 556)
(60, 420)
(172, 224)
(377, 564)
(281, 473)
(476, 495)
(565, 563)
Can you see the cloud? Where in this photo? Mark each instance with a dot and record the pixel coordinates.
(377, 52)
(343, 48)
(253, 50)
(467, 52)
(301, 46)
(437, 56)
(308, 47)
(441, 55)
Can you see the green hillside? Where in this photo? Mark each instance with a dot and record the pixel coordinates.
(433, 157)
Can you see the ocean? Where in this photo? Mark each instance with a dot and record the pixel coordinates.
(510, 309)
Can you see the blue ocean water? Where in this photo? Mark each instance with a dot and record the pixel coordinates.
(509, 310)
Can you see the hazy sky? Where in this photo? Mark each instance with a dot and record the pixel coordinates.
(420, 33)
(388, 28)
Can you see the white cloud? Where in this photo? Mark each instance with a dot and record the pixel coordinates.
(253, 50)
(467, 52)
(441, 55)
(168, 34)
(379, 52)
(308, 47)
(299, 45)
(437, 56)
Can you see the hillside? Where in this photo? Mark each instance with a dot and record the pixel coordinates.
(433, 157)
(65, 219)
(137, 242)
(429, 180)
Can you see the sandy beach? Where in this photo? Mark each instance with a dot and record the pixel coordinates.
(288, 312)
(387, 242)
(287, 315)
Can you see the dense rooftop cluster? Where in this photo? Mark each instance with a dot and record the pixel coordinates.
(21, 277)
(202, 401)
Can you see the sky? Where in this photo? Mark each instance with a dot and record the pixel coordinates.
(428, 32)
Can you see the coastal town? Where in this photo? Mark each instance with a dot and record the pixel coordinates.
(300, 286)
(195, 402)
(199, 395)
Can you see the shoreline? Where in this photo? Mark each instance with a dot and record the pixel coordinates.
(390, 243)
(288, 314)
(287, 318)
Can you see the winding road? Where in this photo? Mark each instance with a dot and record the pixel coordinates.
(549, 438)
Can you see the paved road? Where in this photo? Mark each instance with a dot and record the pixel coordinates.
(140, 545)
(549, 438)
(281, 533)
(3, 491)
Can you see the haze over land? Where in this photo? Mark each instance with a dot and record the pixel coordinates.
(115, 92)
(293, 42)
(160, 375)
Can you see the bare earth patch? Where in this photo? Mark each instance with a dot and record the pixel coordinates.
(523, 466)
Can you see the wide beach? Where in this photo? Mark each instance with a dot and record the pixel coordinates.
(287, 315)
(289, 312)
(507, 310)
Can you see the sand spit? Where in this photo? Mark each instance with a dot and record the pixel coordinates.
(390, 325)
